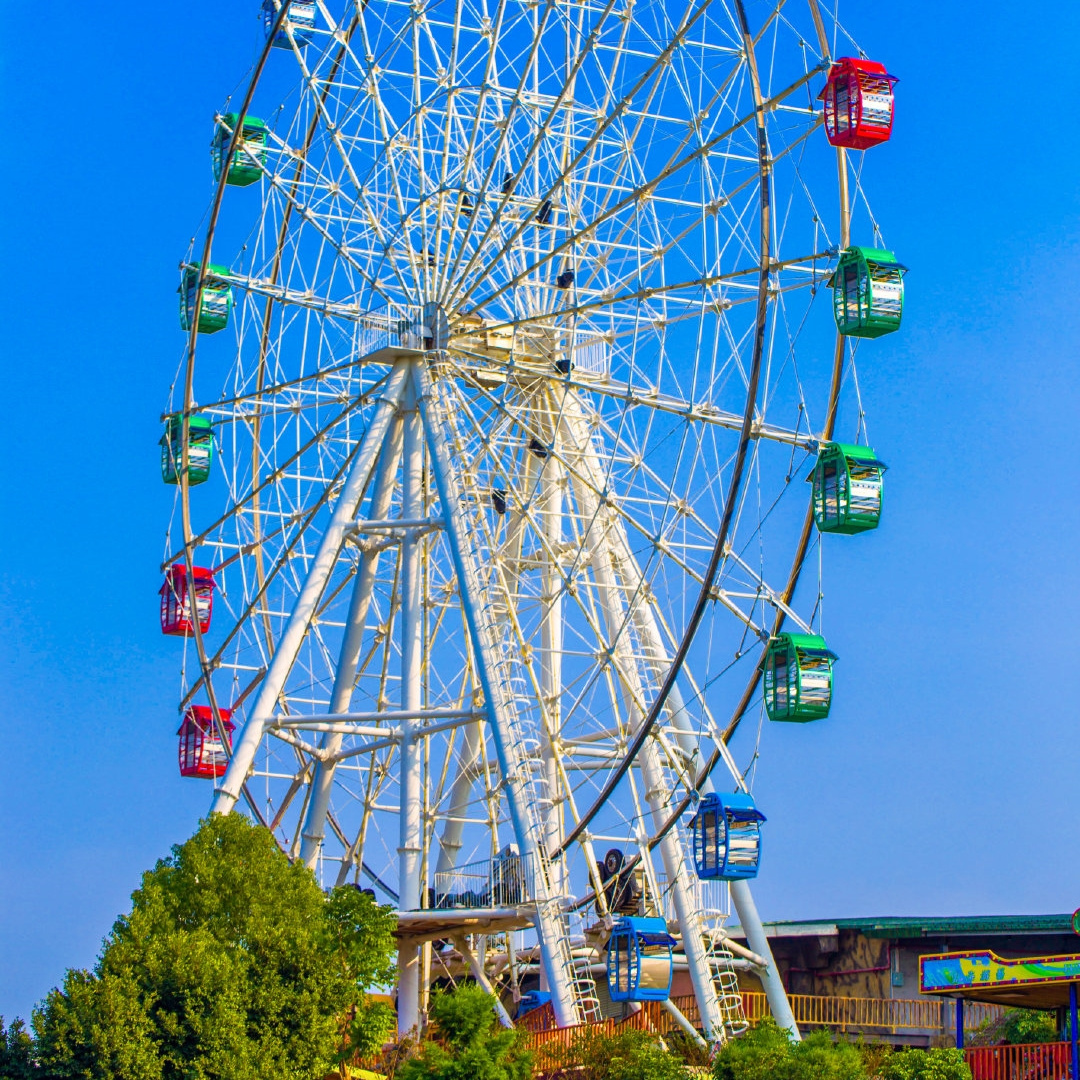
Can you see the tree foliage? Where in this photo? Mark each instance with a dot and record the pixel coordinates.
(231, 965)
(16, 1051)
(465, 1041)
(766, 1052)
(942, 1064)
(628, 1055)
(1027, 1026)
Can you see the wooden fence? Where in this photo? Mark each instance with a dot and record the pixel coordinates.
(1029, 1061)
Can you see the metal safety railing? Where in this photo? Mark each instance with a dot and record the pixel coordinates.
(842, 1014)
(875, 1014)
(1028, 1061)
(399, 329)
(500, 881)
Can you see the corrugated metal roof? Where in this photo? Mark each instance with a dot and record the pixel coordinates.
(912, 927)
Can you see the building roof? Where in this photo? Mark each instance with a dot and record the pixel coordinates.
(892, 926)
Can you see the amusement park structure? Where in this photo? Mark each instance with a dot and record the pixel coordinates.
(489, 539)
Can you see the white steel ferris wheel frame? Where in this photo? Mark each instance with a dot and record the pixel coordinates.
(411, 460)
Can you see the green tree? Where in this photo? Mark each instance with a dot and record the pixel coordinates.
(465, 1041)
(231, 965)
(16, 1051)
(925, 1065)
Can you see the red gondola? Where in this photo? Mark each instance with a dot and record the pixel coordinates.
(858, 103)
(204, 750)
(176, 600)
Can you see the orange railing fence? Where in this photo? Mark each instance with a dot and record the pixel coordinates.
(874, 1016)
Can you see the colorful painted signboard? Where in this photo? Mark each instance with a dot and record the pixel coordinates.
(950, 972)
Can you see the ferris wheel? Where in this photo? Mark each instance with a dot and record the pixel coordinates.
(489, 507)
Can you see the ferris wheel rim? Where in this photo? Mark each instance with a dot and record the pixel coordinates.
(747, 436)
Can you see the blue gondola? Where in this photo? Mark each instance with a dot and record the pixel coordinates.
(535, 999)
(639, 963)
(300, 20)
(727, 837)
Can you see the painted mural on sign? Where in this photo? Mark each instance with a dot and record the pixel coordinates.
(959, 970)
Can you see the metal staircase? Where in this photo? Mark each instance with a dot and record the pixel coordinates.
(520, 745)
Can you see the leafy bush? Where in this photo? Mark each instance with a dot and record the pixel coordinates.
(465, 1041)
(925, 1065)
(766, 1052)
(629, 1055)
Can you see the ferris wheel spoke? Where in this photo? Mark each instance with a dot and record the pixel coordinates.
(489, 77)
(307, 515)
(657, 254)
(700, 412)
(528, 157)
(596, 486)
(657, 65)
(644, 190)
(370, 216)
(516, 99)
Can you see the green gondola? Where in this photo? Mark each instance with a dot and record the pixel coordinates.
(217, 299)
(798, 678)
(250, 156)
(868, 292)
(200, 449)
(849, 486)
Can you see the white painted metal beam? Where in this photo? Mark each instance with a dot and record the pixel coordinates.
(307, 602)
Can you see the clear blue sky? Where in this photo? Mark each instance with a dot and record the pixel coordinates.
(947, 778)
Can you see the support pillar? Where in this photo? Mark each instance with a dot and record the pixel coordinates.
(322, 782)
(410, 849)
(750, 921)
(959, 1023)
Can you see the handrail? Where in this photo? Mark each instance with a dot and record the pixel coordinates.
(879, 1015)
(1024, 1061)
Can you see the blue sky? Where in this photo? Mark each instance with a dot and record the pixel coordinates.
(944, 782)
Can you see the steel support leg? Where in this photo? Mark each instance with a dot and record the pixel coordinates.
(750, 921)
(349, 657)
(292, 638)
(410, 849)
(480, 975)
(647, 627)
(551, 650)
(671, 849)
